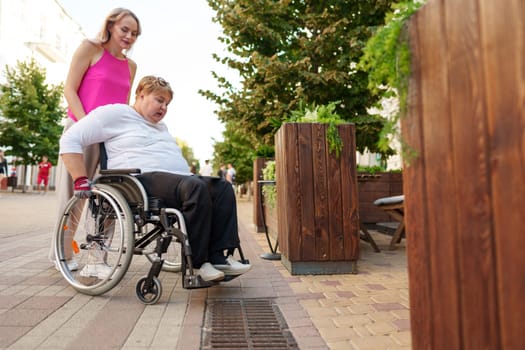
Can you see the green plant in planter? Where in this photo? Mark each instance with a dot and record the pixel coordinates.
(374, 169)
(269, 192)
(322, 114)
(386, 58)
(370, 169)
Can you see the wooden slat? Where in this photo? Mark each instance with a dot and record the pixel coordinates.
(414, 187)
(283, 211)
(305, 193)
(322, 219)
(349, 197)
(503, 36)
(335, 211)
(293, 200)
(471, 176)
(441, 193)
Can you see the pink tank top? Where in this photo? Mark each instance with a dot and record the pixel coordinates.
(105, 82)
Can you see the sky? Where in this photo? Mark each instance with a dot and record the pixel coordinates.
(177, 42)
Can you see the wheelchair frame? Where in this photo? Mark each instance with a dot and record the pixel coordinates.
(120, 221)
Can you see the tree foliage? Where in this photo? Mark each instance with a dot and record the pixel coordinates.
(237, 150)
(387, 60)
(289, 52)
(30, 114)
(187, 151)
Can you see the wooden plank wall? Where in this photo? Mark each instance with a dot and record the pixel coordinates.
(316, 194)
(465, 189)
(372, 187)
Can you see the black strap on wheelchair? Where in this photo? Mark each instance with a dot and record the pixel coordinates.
(103, 157)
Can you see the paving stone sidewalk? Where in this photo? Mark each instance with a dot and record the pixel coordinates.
(38, 310)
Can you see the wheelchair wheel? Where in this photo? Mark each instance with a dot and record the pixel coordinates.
(149, 295)
(172, 258)
(98, 234)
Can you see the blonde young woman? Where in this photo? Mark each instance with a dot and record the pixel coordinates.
(100, 73)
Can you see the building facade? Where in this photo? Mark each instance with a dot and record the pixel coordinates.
(39, 29)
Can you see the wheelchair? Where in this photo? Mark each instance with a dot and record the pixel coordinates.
(118, 221)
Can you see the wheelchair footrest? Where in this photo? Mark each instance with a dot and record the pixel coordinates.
(195, 281)
(228, 278)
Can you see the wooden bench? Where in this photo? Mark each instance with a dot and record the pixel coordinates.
(365, 236)
(395, 207)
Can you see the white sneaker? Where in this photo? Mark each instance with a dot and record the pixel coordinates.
(233, 267)
(100, 271)
(72, 265)
(210, 273)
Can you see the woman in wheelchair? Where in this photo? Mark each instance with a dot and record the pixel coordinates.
(135, 137)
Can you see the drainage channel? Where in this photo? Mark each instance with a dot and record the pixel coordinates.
(245, 324)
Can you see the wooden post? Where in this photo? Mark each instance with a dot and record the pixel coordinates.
(464, 189)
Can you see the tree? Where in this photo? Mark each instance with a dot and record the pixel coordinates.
(187, 152)
(386, 58)
(291, 52)
(237, 151)
(30, 114)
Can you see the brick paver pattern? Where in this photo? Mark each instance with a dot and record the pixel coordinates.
(38, 310)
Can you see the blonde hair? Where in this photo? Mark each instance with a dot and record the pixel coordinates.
(150, 84)
(113, 17)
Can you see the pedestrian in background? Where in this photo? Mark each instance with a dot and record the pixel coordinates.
(43, 174)
(100, 73)
(222, 172)
(193, 168)
(206, 168)
(3, 166)
(231, 174)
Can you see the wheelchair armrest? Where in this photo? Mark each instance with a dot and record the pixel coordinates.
(119, 171)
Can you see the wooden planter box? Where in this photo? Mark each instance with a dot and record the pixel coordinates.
(258, 166)
(317, 200)
(263, 212)
(271, 220)
(373, 186)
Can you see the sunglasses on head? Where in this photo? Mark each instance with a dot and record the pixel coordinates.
(161, 81)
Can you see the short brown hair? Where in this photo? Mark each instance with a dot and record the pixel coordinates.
(151, 83)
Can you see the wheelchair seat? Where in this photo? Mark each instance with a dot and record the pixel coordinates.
(120, 220)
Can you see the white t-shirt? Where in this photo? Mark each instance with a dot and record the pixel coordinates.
(206, 170)
(131, 141)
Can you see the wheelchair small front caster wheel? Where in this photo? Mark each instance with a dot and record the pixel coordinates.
(148, 293)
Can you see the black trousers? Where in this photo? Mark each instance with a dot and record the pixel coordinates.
(209, 208)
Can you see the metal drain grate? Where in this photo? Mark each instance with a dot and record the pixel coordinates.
(245, 324)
